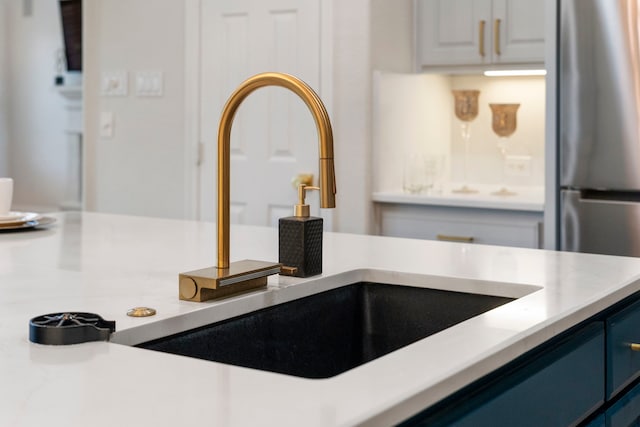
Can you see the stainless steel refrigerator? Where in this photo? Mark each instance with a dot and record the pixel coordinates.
(599, 126)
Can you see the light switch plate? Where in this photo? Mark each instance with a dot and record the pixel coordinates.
(114, 83)
(149, 83)
(106, 124)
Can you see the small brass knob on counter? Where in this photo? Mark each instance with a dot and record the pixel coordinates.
(141, 312)
(634, 347)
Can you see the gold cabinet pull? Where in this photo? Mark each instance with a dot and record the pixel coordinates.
(635, 347)
(496, 37)
(481, 38)
(451, 238)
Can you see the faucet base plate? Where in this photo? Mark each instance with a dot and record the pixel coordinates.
(209, 283)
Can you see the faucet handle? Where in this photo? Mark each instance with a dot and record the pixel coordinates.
(302, 178)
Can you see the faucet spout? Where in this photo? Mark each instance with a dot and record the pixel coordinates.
(325, 142)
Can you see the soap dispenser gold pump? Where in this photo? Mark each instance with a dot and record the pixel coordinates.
(300, 239)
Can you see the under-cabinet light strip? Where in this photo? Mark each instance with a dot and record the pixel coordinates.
(508, 73)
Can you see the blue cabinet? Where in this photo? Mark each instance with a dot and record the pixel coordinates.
(589, 376)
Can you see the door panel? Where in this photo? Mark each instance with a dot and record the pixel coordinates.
(273, 137)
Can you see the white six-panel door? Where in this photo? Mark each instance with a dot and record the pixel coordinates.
(273, 136)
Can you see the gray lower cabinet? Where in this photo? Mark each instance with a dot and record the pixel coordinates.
(589, 376)
(460, 224)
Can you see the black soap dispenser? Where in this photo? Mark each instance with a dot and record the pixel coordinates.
(300, 239)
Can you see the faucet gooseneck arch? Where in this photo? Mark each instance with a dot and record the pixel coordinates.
(229, 278)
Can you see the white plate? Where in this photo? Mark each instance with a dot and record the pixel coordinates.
(20, 225)
(18, 216)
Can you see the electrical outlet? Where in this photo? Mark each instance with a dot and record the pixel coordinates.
(517, 166)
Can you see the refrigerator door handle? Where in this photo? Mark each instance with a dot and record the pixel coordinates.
(570, 230)
(602, 222)
(610, 196)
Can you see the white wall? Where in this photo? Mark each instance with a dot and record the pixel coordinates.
(392, 42)
(366, 35)
(415, 114)
(4, 153)
(485, 160)
(140, 170)
(35, 116)
(351, 114)
(408, 120)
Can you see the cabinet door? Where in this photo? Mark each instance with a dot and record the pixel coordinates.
(517, 30)
(626, 411)
(453, 32)
(623, 363)
(480, 32)
(560, 387)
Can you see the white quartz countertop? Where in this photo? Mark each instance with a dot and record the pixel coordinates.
(107, 264)
(525, 198)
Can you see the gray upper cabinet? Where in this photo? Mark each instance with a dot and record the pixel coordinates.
(479, 32)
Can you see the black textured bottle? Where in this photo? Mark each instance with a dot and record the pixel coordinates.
(300, 239)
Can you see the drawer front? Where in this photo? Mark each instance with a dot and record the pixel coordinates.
(623, 364)
(626, 411)
(597, 422)
(481, 226)
(558, 388)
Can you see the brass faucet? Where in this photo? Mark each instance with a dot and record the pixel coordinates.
(227, 279)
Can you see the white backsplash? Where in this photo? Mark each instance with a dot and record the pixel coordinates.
(413, 113)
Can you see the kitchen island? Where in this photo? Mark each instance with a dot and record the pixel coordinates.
(107, 264)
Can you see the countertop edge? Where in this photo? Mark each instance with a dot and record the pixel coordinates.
(471, 201)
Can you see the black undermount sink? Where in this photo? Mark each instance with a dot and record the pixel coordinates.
(330, 332)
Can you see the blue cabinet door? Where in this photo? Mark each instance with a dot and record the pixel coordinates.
(623, 364)
(559, 387)
(626, 411)
(597, 422)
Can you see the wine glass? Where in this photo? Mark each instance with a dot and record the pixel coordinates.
(466, 108)
(504, 125)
